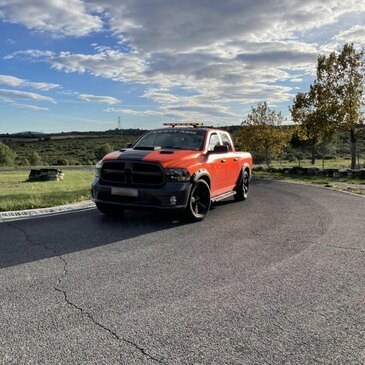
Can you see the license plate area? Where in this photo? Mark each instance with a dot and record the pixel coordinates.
(125, 192)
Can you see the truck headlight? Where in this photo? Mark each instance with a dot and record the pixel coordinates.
(177, 175)
(98, 168)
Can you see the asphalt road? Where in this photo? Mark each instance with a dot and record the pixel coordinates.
(278, 279)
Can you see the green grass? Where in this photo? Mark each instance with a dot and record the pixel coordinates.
(328, 164)
(17, 194)
(346, 184)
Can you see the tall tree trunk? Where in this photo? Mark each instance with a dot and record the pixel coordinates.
(353, 148)
(313, 161)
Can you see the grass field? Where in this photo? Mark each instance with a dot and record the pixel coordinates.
(17, 194)
(328, 164)
(345, 184)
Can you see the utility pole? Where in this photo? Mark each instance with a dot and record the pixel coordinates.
(119, 126)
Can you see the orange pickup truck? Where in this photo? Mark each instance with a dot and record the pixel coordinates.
(184, 167)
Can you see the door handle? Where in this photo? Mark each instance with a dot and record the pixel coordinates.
(223, 161)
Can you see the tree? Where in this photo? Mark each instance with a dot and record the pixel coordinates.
(35, 159)
(7, 155)
(262, 132)
(310, 112)
(340, 84)
(103, 150)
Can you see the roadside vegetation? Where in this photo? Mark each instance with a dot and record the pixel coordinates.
(16, 193)
(356, 186)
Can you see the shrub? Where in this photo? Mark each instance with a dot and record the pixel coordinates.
(7, 155)
(22, 162)
(62, 162)
(103, 150)
(35, 159)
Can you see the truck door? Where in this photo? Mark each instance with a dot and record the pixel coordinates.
(216, 166)
(231, 162)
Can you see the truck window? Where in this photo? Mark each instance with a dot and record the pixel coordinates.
(226, 141)
(213, 141)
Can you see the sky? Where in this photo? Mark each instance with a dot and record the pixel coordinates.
(68, 65)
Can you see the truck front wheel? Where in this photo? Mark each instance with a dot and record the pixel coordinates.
(199, 202)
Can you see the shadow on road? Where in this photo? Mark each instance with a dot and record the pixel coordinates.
(40, 238)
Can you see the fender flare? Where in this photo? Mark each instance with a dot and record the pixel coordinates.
(201, 173)
(244, 167)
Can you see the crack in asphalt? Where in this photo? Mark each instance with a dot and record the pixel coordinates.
(93, 320)
(75, 306)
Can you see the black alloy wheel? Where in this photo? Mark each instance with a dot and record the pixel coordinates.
(242, 187)
(199, 202)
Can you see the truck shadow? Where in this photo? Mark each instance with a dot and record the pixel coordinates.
(35, 239)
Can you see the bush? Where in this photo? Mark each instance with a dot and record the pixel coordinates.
(103, 150)
(7, 155)
(35, 159)
(22, 162)
(62, 162)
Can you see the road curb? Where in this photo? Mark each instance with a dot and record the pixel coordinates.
(33, 213)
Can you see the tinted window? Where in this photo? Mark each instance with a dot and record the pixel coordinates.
(178, 139)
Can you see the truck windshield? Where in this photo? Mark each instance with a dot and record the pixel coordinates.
(176, 139)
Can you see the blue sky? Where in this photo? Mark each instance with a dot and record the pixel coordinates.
(79, 65)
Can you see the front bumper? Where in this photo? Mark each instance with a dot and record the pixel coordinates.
(156, 198)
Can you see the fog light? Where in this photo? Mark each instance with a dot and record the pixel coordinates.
(173, 200)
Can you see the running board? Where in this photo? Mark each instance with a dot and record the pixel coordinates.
(223, 196)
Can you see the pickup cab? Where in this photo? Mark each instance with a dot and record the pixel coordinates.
(184, 168)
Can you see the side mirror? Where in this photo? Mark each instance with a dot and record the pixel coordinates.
(220, 149)
(128, 145)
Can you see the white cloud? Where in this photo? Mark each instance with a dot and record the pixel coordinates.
(296, 79)
(99, 99)
(32, 53)
(177, 25)
(15, 81)
(59, 17)
(110, 64)
(355, 34)
(23, 95)
(30, 107)
(207, 112)
(197, 59)
(134, 112)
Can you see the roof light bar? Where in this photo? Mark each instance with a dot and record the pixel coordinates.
(192, 124)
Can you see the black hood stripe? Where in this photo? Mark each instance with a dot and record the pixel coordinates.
(132, 154)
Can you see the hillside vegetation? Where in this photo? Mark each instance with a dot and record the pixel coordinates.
(68, 151)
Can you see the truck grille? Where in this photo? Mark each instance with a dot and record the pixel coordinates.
(132, 173)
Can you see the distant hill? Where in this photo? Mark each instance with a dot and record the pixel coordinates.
(28, 134)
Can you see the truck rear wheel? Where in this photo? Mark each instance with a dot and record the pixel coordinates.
(199, 202)
(242, 187)
(109, 209)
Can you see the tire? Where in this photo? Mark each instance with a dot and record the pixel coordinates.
(110, 210)
(242, 187)
(199, 202)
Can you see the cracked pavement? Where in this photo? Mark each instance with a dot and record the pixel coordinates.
(278, 279)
